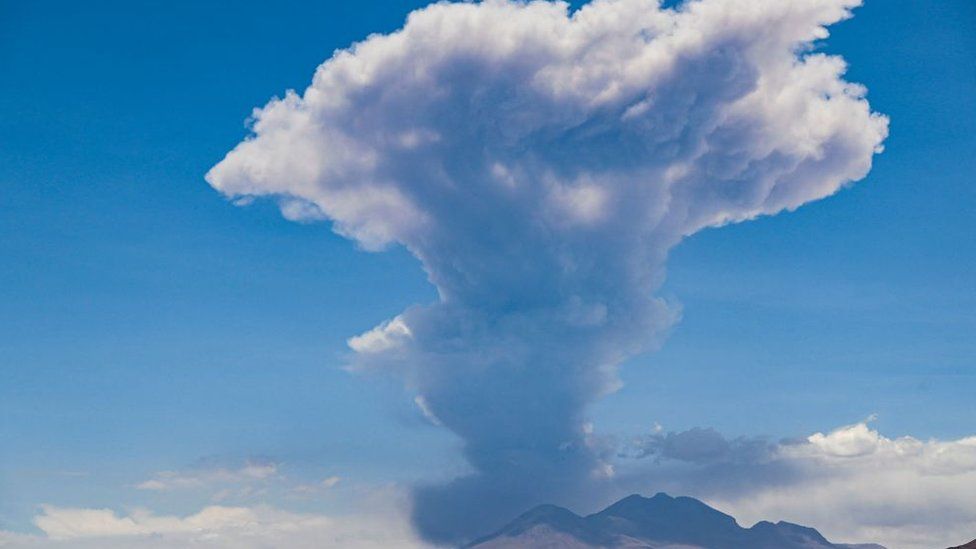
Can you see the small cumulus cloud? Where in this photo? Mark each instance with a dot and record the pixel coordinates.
(384, 337)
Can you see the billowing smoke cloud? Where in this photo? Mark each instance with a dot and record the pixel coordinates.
(540, 163)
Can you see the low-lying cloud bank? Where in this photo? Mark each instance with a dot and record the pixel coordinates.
(215, 527)
(851, 483)
(540, 163)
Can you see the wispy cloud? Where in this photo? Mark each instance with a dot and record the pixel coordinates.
(207, 477)
(318, 487)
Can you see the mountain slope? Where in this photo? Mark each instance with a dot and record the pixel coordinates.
(659, 522)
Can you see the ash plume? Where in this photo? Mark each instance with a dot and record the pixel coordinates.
(540, 163)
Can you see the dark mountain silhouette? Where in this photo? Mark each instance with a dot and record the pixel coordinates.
(659, 522)
(970, 545)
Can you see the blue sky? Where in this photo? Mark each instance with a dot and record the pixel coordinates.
(147, 323)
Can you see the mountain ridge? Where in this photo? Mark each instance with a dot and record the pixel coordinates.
(657, 522)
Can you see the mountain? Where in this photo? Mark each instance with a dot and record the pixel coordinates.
(970, 545)
(659, 522)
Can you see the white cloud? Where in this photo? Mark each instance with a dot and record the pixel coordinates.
(852, 441)
(903, 493)
(852, 483)
(421, 403)
(540, 164)
(311, 489)
(203, 477)
(215, 527)
(370, 142)
(153, 484)
(386, 336)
